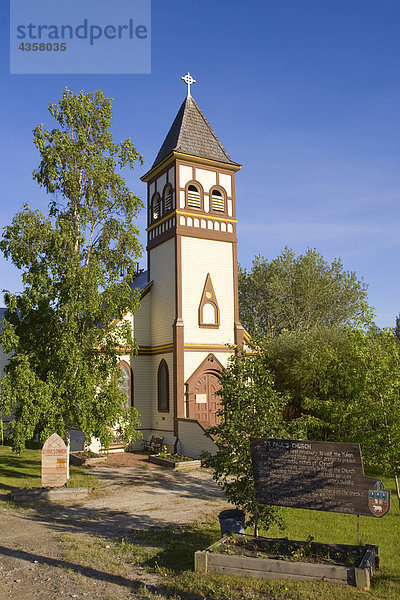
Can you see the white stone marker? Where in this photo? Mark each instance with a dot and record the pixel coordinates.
(54, 462)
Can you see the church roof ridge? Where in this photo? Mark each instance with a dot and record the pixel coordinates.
(191, 134)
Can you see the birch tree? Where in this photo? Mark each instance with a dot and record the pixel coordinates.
(66, 328)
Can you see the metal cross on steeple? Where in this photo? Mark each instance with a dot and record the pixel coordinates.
(188, 79)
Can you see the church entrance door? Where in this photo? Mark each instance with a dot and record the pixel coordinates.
(202, 387)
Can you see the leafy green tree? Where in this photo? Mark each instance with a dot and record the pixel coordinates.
(397, 328)
(344, 385)
(318, 369)
(292, 292)
(66, 327)
(378, 422)
(250, 407)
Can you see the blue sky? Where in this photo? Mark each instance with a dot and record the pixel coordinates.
(305, 94)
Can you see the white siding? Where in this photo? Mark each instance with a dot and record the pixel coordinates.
(192, 440)
(200, 257)
(144, 388)
(206, 178)
(142, 324)
(226, 182)
(191, 361)
(162, 272)
(185, 175)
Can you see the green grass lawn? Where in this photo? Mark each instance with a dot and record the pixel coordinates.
(23, 470)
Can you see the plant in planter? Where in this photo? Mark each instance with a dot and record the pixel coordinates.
(175, 461)
(163, 453)
(268, 558)
(172, 456)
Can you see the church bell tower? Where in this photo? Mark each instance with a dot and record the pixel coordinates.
(192, 264)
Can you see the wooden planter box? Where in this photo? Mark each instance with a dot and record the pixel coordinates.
(76, 459)
(210, 561)
(181, 465)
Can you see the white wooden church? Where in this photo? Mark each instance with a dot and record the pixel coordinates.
(189, 315)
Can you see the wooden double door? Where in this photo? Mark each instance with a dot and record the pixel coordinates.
(203, 400)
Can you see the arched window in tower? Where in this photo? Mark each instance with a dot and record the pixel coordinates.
(156, 207)
(217, 200)
(163, 387)
(208, 307)
(167, 195)
(193, 196)
(125, 383)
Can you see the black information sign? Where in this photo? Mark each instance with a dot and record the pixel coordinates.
(325, 476)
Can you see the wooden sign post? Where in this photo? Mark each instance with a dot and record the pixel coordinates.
(54, 462)
(326, 476)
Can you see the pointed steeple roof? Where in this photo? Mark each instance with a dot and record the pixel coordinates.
(192, 134)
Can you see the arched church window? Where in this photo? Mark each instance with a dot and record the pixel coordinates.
(217, 200)
(209, 314)
(167, 195)
(125, 383)
(163, 387)
(193, 196)
(156, 207)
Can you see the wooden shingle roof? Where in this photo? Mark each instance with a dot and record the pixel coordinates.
(191, 133)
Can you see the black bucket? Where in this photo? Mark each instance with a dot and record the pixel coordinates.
(232, 521)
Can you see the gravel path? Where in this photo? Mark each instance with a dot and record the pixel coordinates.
(133, 495)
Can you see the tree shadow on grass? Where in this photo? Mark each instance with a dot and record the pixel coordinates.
(76, 568)
(174, 550)
(177, 544)
(10, 469)
(174, 544)
(107, 523)
(134, 584)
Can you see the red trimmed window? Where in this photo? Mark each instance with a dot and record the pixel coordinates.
(163, 387)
